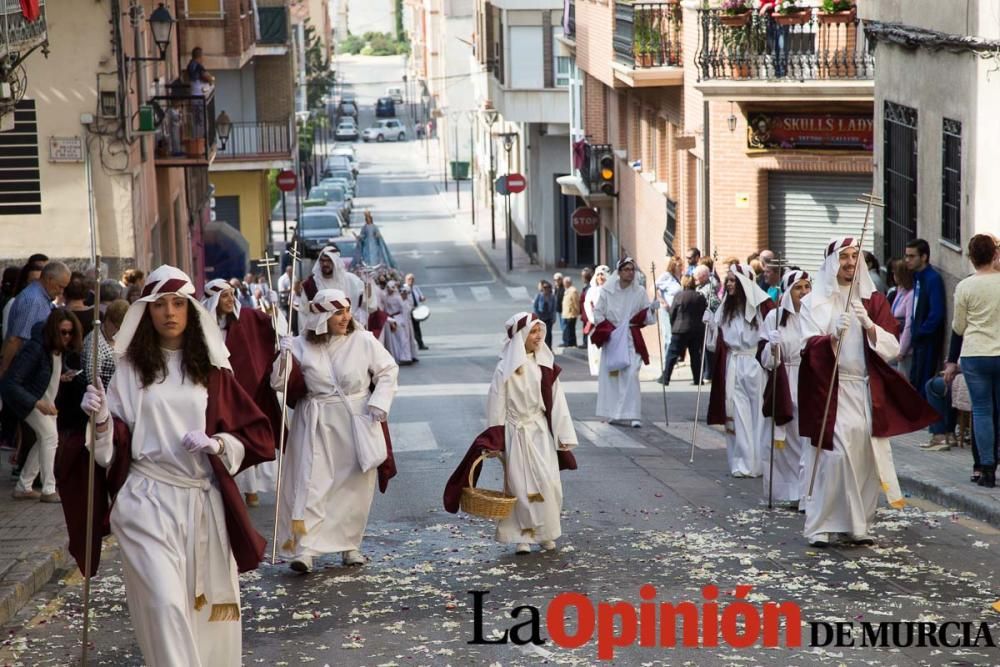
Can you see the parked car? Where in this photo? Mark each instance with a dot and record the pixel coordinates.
(346, 132)
(315, 229)
(347, 151)
(347, 109)
(390, 129)
(385, 108)
(396, 93)
(334, 161)
(343, 182)
(334, 195)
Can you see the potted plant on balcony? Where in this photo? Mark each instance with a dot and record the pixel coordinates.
(735, 13)
(641, 42)
(838, 11)
(788, 13)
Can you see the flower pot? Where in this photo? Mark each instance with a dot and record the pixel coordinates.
(845, 16)
(799, 17)
(735, 20)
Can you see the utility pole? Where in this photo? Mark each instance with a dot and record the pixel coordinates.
(472, 164)
(491, 118)
(508, 145)
(458, 184)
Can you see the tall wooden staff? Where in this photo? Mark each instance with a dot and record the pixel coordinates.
(94, 368)
(266, 262)
(286, 365)
(701, 376)
(774, 404)
(659, 338)
(870, 200)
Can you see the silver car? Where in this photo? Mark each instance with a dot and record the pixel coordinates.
(386, 129)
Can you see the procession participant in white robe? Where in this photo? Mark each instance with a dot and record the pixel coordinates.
(871, 401)
(733, 332)
(622, 309)
(329, 272)
(529, 422)
(173, 429)
(601, 274)
(398, 334)
(327, 497)
(252, 344)
(779, 355)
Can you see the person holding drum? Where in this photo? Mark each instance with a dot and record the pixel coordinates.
(420, 311)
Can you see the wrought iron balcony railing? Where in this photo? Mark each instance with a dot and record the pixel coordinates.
(257, 140)
(19, 29)
(809, 45)
(648, 34)
(186, 134)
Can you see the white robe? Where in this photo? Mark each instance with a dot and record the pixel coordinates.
(791, 450)
(400, 343)
(326, 498)
(593, 352)
(849, 478)
(618, 395)
(744, 394)
(170, 524)
(532, 464)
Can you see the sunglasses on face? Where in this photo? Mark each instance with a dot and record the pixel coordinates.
(65, 332)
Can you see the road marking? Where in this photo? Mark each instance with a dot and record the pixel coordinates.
(445, 294)
(481, 293)
(412, 437)
(606, 435)
(518, 293)
(708, 437)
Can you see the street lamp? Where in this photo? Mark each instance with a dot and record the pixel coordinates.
(223, 128)
(508, 145)
(161, 24)
(490, 116)
(425, 98)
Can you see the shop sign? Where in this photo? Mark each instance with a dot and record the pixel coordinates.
(852, 132)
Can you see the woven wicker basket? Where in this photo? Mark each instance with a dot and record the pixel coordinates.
(483, 502)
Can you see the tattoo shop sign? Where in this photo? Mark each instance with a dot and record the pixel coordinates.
(853, 132)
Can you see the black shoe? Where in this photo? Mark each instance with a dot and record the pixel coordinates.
(422, 347)
(988, 478)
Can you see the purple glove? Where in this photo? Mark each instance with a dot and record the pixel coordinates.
(198, 441)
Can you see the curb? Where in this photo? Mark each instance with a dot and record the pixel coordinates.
(27, 577)
(978, 506)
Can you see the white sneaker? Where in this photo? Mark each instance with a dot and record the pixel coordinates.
(352, 557)
(636, 423)
(820, 540)
(522, 549)
(301, 564)
(862, 540)
(549, 545)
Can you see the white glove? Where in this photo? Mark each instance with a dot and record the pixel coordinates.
(95, 402)
(377, 414)
(774, 337)
(285, 343)
(199, 441)
(708, 317)
(862, 315)
(843, 324)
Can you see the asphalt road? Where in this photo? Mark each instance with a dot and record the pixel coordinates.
(636, 512)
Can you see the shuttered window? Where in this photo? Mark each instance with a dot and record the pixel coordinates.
(20, 179)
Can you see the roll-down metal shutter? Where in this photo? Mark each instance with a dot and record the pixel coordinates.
(805, 210)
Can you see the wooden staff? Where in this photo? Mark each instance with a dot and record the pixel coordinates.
(701, 376)
(267, 262)
(870, 200)
(285, 365)
(774, 403)
(659, 338)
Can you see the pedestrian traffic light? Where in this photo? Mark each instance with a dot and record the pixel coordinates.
(602, 175)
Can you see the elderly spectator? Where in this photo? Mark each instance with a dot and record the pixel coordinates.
(110, 291)
(111, 321)
(30, 386)
(32, 306)
(29, 273)
(902, 310)
(545, 308)
(570, 312)
(977, 321)
(703, 276)
(765, 257)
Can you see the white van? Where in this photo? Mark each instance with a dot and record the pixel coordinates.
(396, 93)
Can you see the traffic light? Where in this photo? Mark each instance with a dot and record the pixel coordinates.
(603, 169)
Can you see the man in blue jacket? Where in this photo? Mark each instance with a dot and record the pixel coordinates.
(929, 312)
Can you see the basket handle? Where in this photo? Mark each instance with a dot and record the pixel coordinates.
(478, 462)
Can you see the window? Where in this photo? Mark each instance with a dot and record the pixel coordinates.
(563, 67)
(900, 177)
(951, 182)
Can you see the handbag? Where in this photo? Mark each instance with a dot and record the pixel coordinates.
(369, 442)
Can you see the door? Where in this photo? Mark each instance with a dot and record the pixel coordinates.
(573, 249)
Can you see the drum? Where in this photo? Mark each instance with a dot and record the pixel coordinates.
(421, 313)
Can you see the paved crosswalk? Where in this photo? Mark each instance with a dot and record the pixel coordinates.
(478, 293)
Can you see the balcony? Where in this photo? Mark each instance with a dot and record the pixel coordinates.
(224, 29)
(569, 19)
(828, 54)
(256, 145)
(186, 134)
(20, 31)
(648, 43)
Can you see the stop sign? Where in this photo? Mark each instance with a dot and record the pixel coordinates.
(516, 183)
(286, 180)
(585, 221)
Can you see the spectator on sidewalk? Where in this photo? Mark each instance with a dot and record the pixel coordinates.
(902, 310)
(771, 281)
(668, 285)
(32, 306)
(29, 388)
(558, 291)
(875, 271)
(29, 273)
(977, 320)
(132, 277)
(704, 286)
(111, 321)
(686, 329)
(929, 310)
(570, 312)
(545, 308)
(585, 277)
(75, 296)
(693, 259)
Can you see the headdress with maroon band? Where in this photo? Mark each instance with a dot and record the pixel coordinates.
(825, 282)
(323, 306)
(751, 290)
(513, 355)
(623, 261)
(213, 292)
(787, 283)
(167, 281)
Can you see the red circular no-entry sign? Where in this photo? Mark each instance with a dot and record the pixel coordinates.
(516, 183)
(286, 180)
(585, 221)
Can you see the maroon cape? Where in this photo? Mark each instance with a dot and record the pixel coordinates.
(251, 344)
(601, 334)
(777, 380)
(297, 389)
(230, 410)
(494, 439)
(897, 408)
